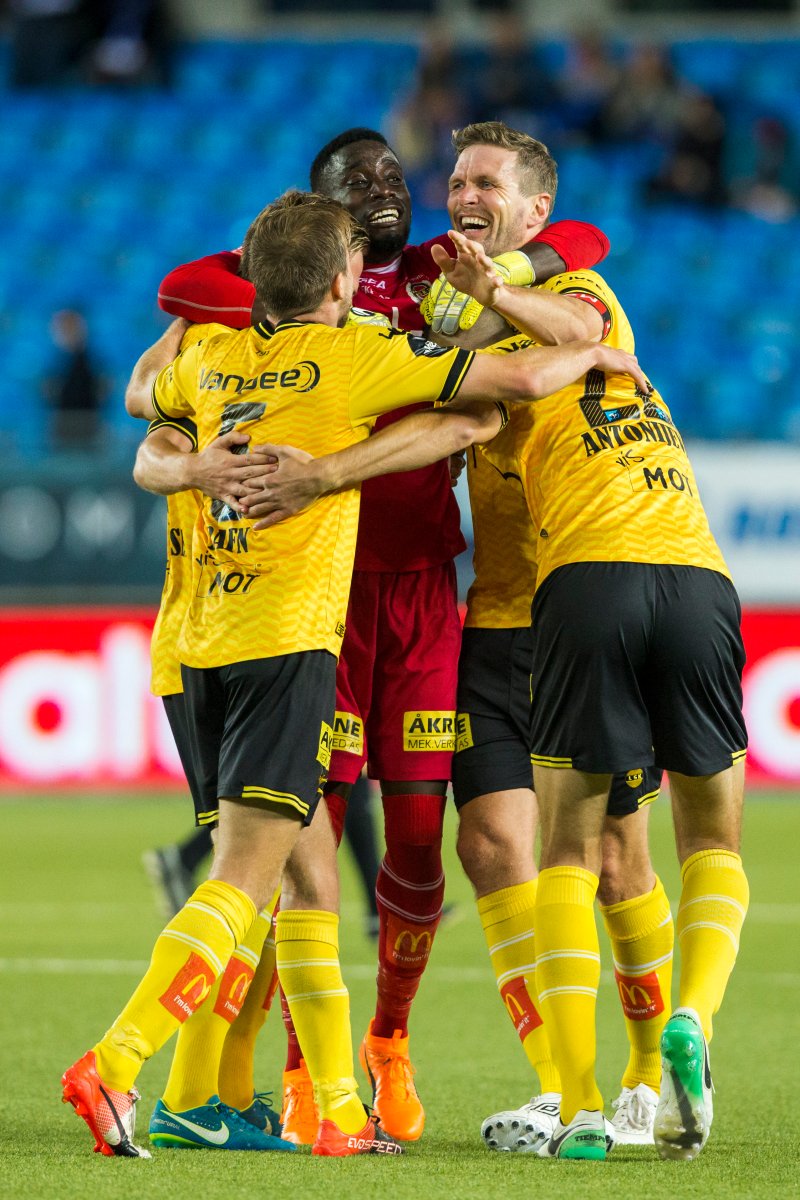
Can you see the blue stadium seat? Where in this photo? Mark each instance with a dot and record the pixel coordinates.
(102, 191)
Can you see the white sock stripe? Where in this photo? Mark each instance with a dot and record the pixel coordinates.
(711, 925)
(415, 887)
(197, 945)
(247, 955)
(316, 995)
(209, 911)
(521, 937)
(717, 899)
(504, 978)
(415, 918)
(667, 921)
(635, 969)
(270, 941)
(586, 954)
(561, 991)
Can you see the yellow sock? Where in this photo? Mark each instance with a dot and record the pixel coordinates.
(711, 913)
(641, 932)
(507, 919)
(307, 947)
(236, 1078)
(195, 1071)
(187, 958)
(567, 975)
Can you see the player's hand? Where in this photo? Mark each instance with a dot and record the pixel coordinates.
(457, 462)
(363, 316)
(469, 283)
(228, 467)
(619, 361)
(287, 486)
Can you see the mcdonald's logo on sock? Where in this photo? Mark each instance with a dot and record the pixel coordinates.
(640, 996)
(520, 1007)
(410, 948)
(233, 988)
(189, 988)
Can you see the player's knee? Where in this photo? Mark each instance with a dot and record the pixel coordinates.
(484, 854)
(310, 891)
(627, 870)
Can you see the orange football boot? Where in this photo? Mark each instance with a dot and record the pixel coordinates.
(394, 1097)
(299, 1119)
(111, 1115)
(331, 1142)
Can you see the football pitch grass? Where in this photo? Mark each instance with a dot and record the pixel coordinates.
(78, 921)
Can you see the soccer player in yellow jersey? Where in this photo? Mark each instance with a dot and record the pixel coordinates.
(259, 642)
(501, 190)
(637, 658)
(211, 1079)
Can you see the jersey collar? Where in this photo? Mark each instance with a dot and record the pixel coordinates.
(266, 330)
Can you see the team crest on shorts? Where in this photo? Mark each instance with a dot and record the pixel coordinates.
(634, 779)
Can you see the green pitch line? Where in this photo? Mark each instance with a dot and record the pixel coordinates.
(77, 922)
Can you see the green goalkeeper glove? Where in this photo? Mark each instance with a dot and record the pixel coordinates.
(447, 311)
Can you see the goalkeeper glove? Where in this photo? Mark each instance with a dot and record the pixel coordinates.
(363, 316)
(447, 311)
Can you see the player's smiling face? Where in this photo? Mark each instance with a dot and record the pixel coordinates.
(368, 180)
(486, 201)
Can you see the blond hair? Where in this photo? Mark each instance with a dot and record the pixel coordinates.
(295, 248)
(536, 167)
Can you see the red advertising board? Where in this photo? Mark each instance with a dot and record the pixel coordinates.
(772, 694)
(75, 706)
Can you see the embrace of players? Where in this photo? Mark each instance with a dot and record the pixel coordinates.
(601, 646)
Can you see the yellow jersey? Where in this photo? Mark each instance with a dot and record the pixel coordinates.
(263, 593)
(504, 557)
(182, 512)
(605, 471)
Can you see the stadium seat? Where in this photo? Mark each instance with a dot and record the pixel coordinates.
(103, 190)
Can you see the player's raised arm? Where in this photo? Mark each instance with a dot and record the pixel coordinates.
(209, 289)
(530, 374)
(139, 392)
(426, 437)
(298, 480)
(549, 318)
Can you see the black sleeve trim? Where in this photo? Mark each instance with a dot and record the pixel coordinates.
(456, 375)
(165, 416)
(185, 424)
(501, 408)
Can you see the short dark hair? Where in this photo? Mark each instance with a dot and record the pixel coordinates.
(295, 248)
(536, 168)
(358, 134)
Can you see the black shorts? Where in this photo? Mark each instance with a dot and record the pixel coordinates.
(260, 731)
(493, 724)
(175, 708)
(635, 664)
(493, 713)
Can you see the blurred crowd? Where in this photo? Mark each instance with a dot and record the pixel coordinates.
(55, 42)
(596, 96)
